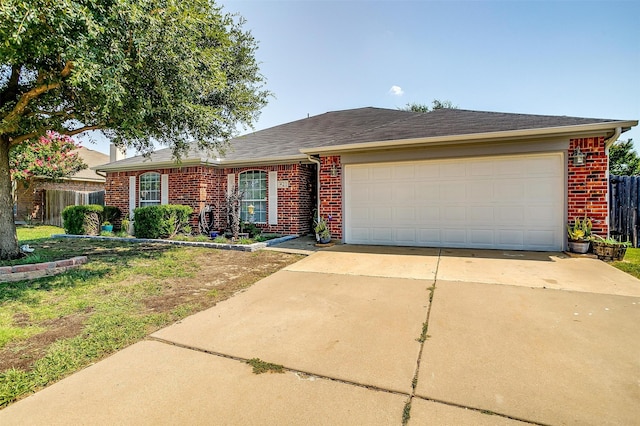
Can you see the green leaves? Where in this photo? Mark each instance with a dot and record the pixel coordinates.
(52, 155)
(147, 71)
(623, 159)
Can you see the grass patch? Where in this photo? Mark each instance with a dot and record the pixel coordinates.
(406, 412)
(260, 366)
(631, 262)
(54, 326)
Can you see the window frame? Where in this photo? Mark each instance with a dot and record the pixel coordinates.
(157, 180)
(260, 204)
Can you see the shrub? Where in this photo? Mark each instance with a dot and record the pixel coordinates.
(162, 221)
(251, 229)
(111, 214)
(82, 220)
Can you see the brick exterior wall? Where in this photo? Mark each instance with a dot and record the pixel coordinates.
(196, 186)
(331, 193)
(202, 185)
(587, 186)
(30, 197)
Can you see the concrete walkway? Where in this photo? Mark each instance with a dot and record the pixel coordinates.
(509, 338)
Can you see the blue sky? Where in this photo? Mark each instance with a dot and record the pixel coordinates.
(572, 58)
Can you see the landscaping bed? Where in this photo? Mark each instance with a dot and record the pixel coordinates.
(54, 326)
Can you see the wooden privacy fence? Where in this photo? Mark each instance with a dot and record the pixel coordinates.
(56, 200)
(624, 203)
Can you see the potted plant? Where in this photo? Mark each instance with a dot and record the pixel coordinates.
(323, 235)
(579, 235)
(609, 249)
(107, 226)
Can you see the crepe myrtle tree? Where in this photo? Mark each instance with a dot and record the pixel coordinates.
(145, 72)
(52, 156)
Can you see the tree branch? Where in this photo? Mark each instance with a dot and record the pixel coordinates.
(22, 138)
(27, 97)
(85, 129)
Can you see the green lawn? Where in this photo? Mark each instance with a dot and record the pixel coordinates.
(631, 262)
(54, 326)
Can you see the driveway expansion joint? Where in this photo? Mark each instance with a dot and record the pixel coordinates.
(480, 410)
(285, 368)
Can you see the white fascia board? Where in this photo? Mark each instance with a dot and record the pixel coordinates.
(524, 134)
(297, 158)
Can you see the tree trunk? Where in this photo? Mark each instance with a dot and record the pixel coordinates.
(9, 248)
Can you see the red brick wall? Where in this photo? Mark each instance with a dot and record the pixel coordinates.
(587, 185)
(331, 193)
(199, 186)
(294, 203)
(30, 195)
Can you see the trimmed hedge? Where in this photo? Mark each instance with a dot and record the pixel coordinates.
(82, 220)
(162, 221)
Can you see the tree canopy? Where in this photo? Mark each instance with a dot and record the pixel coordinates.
(623, 159)
(145, 71)
(435, 104)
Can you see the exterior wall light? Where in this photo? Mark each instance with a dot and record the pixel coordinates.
(579, 157)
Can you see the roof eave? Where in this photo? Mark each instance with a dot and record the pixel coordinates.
(524, 134)
(265, 161)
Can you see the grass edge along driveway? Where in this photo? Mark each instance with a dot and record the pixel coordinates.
(54, 326)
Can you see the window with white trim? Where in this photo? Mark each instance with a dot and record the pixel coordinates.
(149, 189)
(254, 185)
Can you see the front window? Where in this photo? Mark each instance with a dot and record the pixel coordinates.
(254, 185)
(149, 189)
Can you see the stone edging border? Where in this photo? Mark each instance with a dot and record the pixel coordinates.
(238, 247)
(39, 270)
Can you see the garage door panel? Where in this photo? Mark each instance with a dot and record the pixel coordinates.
(481, 236)
(510, 237)
(480, 215)
(382, 214)
(405, 236)
(381, 173)
(427, 172)
(514, 202)
(382, 234)
(405, 194)
(404, 215)
(452, 191)
(404, 173)
(542, 238)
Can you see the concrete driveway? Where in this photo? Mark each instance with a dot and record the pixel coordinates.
(509, 338)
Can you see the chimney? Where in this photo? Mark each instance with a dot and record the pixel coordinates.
(116, 154)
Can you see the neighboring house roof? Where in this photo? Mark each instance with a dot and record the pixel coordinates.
(371, 128)
(92, 159)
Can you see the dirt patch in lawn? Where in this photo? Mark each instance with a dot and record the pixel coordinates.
(212, 276)
(23, 353)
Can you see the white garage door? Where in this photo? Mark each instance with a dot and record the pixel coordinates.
(513, 202)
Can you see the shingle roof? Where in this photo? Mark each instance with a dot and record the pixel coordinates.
(92, 159)
(364, 125)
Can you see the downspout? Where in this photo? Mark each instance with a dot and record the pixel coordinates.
(611, 140)
(607, 144)
(316, 161)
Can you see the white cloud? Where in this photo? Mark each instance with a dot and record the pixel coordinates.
(396, 90)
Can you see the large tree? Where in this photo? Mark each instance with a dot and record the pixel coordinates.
(167, 72)
(623, 159)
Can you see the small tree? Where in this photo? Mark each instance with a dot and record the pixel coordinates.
(232, 208)
(53, 156)
(623, 159)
